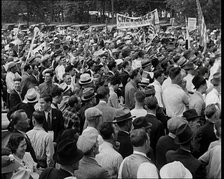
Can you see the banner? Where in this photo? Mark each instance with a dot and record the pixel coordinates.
(202, 27)
(192, 24)
(39, 49)
(133, 22)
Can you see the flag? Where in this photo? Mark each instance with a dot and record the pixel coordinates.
(202, 27)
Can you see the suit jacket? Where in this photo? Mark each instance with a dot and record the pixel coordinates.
(14, 99)
(57, 123)
(157, 130)
(54, 173)
(29, 145)
(164, 144)
(126, 147)
(89, 168)
(108, 111)
(188, 160)
(45, 88)
(130, 90)
(203, 138)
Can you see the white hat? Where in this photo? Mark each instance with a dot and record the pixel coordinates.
(31, 96)
(85, 78)
(118, 61)
(175, 170)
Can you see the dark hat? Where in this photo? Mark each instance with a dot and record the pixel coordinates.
(189, 66)
(216, 79)
(67, 152)
(122, 115)
(190, 115)
(140, 122)
(184, 134)
(88, 94)
(150, 90)
(198, 81)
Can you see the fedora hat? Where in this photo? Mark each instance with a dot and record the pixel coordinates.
(198, 81)
(88, 94)
(184, 134)
(122, 115)
(85, 78)
(216, 79)
(182, 61)
(31, 96)
(150, 90)
(191, 114)
(144, 82)
(189, 66)
(140, 122)
(67, 152)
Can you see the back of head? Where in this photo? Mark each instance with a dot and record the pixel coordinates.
(138, 137)
(140, 96)
(39, 117)
(14, 141)
(56, 91)
(174, 122)
(111, 65)
(174, 71)
(106, 130)
(72, 100)
(151, 102)
(114, 80)
(102, 92)
(14, 119)
(134, 73)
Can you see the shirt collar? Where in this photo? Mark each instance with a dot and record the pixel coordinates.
(139, 153)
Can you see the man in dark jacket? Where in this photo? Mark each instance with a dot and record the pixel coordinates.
(123, 120)
(15, 96)
(183, 154)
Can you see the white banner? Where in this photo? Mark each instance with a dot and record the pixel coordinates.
(39, 49)
(133, 22)
(192, 24)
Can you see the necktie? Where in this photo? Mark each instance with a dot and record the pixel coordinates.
(49, 120)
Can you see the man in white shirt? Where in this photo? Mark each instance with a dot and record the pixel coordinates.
(139, 110)
(138, 165)
(111, 162)
(158, 81)
(214, 96)
(189, 67)
(41, 141)
(175, 99)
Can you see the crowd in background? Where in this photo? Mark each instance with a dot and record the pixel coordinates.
(134, 103)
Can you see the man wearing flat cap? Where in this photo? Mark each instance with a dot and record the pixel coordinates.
(88, 166)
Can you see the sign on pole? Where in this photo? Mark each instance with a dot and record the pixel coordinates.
(192, 24)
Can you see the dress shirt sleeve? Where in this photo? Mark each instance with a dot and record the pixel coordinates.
(186, 100)
(49, 151)
(147, 170)
(131, 98)
(211, 99)
(10, 82)
(114, 101)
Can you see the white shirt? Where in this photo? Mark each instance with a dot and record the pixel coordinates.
(166, 83)
(10, 80)
(42, 144)
(215, 68)
(138, 112)
(60, 70)
(110, 162)
(158, 90)
(189, 84)
(176, 100)
(213, 97)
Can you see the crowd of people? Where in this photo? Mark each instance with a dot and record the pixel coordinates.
(131, 103)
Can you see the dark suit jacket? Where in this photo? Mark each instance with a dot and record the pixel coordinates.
(57, 123)
(14, 99)
(157, 130)
(188, 160)
(108, 111)
(126, 147)
(89, 168)
(29, 145)
(164, 144)
(54, 173)
(203, 138)
(46, 88)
